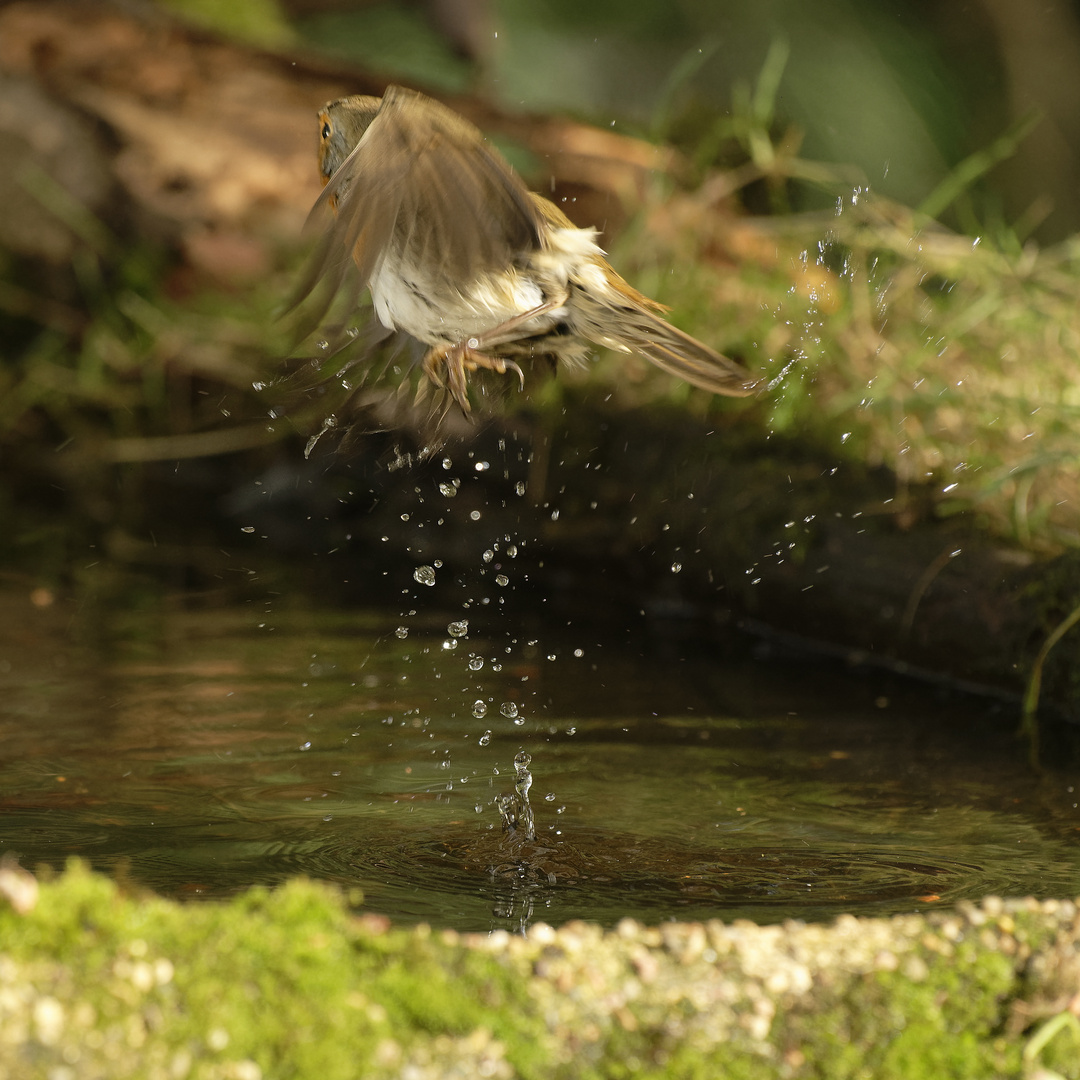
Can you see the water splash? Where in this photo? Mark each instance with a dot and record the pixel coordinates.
(328, 424)
(522, 782)
(424, 575)
(515, 808)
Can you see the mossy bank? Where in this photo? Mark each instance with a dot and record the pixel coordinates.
(299, 982)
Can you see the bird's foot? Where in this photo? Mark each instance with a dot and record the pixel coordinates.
(448, 366)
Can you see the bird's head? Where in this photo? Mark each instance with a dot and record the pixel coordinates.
(342, 124)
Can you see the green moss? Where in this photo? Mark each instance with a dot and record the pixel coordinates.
(288, 979)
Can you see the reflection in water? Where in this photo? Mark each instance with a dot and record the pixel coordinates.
(204, 752)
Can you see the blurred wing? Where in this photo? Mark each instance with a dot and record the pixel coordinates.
(423, 179)
(463, 209)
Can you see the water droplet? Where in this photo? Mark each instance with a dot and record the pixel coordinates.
(495, 666)
(502, 579)
(676, 567)
(508, 709)
(459, 628)
(448, 490)
(247, 528)
(402, 632)
(482, 466)
(488, 555)
(512, 551)
(305, 746)
(579, 653)
(324, 345)
(474, 515)
(844, 438)
(450, 644)
(476, 663)
(479, 710)
(519, 487)
(404, 517)
(551, 656)
(425, 575)
(549, 797)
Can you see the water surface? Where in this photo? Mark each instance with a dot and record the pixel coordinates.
(202, 749)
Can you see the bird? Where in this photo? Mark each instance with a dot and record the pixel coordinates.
(460, 255)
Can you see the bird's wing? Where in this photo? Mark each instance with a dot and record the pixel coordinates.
(423, 178)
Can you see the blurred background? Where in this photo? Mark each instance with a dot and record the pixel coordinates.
(905, 91)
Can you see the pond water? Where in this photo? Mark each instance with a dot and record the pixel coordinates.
(200, 749)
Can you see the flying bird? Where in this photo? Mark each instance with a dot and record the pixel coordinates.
(459, 254)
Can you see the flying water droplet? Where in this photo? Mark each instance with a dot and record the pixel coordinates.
(484, 739)
(676, 567)
(425, 575)
(519, 487)
(448, 490)
(508, 709)
(502, 579)
(402, 632)
(476, 663)
(479, 710)
(459, 628)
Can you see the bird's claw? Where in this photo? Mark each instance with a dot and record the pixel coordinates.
(448, 367)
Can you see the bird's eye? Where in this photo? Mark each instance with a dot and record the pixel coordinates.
(326, 130)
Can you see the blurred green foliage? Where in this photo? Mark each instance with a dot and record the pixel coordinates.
(259, 22)
(389, 38)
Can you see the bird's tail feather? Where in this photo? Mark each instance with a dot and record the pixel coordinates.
(644, 331)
